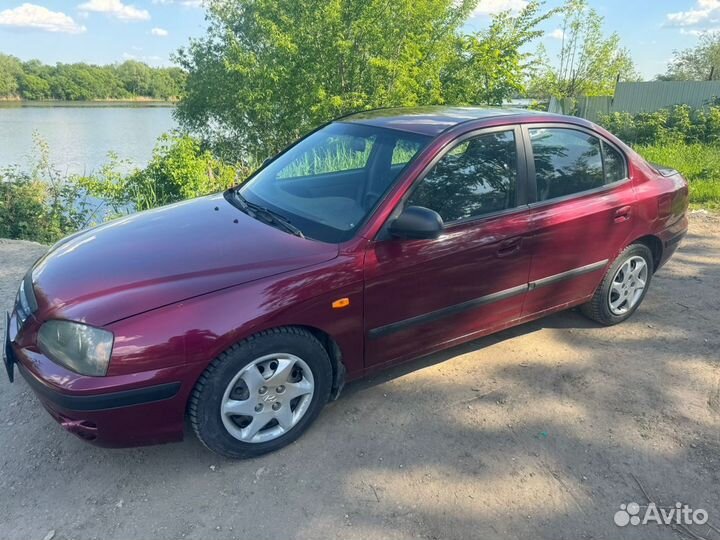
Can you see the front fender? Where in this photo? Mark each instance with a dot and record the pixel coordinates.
(199, 329)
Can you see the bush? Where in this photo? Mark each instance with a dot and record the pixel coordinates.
(680, 137)
(698, 163)
(179, 169)
(680, 123)
(40, 205)
(43, 205)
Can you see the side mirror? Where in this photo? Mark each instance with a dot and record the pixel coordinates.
(417, 222)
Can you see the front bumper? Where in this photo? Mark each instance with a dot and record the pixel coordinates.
(116, 411)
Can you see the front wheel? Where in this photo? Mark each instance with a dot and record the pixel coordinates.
(262, 393)
(623, 287)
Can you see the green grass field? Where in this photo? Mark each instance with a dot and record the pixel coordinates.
(699, 163)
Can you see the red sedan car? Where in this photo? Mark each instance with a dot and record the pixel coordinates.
(377, 238)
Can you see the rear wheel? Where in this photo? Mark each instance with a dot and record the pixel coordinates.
(623, 287)
(261, 394)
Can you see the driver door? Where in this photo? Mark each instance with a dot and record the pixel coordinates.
(422, 295)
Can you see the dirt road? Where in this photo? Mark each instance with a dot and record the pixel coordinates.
(537, 432)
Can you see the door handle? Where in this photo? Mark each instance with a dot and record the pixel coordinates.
(509, 247)
(623, 214)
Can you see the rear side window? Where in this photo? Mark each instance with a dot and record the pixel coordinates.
(477, 177)
(567, 161)
(614, 164)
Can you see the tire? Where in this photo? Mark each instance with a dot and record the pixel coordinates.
(599, 308)
(295, 352)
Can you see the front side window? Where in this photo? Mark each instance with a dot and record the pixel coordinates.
(329, 182)
(569, 161)
(476, 177)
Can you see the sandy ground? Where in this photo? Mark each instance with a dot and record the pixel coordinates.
(537, 432)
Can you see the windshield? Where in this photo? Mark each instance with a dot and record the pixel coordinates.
(329, 182)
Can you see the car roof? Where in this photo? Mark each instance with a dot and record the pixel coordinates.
(433, 120)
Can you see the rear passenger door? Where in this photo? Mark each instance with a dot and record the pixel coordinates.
(581, 212)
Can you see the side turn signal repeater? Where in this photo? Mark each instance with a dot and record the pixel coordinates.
(341, 303)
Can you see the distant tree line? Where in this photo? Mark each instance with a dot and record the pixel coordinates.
(33, 80)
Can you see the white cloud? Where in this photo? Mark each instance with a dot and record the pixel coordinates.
(159, 32)
(705, 13)
(39, 18)
(557, 33)
(489, 7)
(115, 8)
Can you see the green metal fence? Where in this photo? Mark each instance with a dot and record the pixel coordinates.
(636, 97)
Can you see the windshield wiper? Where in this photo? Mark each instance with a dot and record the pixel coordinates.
(266, 215)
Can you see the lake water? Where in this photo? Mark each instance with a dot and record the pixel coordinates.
(80, 137)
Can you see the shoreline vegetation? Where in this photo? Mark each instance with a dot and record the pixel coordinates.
(40, 203)
(10, 103)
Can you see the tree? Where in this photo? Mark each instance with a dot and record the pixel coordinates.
(166, 83)
(588, 63)
(699, 63)
(491, 66)
(10, 70)
(135, 77)
(269, 70)
(34, 87)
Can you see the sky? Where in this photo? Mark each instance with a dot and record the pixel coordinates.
(108, 31)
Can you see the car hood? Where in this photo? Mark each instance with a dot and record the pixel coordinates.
(162, 256)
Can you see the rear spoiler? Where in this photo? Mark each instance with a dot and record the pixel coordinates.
(662, 170)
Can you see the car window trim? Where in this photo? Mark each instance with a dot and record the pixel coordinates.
(530, 158)
(521, 196)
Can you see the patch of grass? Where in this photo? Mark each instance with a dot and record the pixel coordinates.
(699, 163)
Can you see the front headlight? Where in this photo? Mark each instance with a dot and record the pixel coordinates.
(81, 348)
